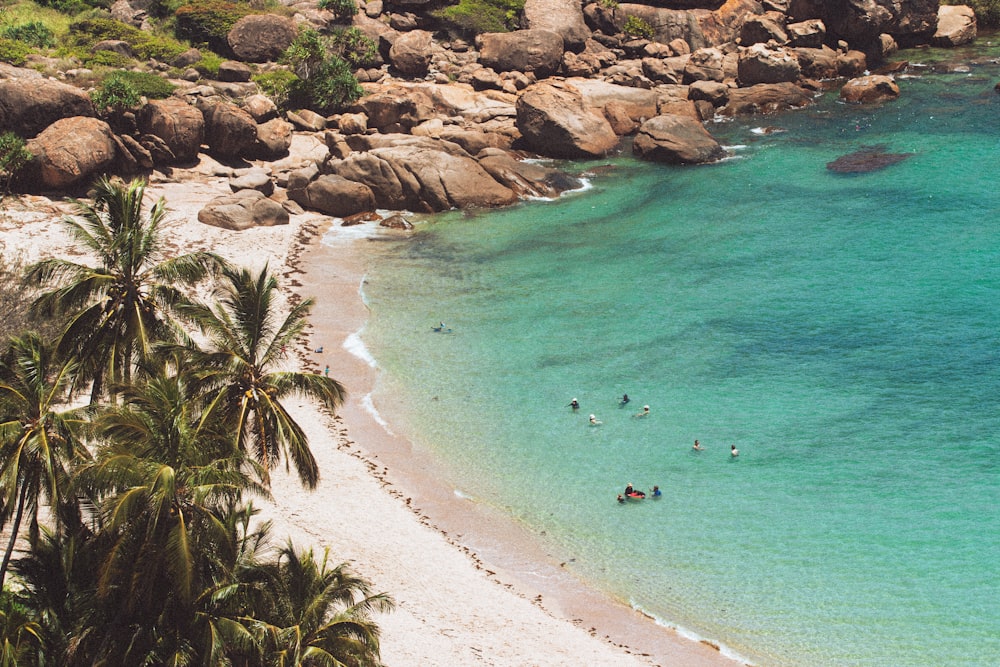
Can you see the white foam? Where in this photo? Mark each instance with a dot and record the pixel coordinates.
(356, 346)
(369, 405)
(463, 495)
(692, 635)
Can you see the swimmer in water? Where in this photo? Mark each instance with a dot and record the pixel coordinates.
(644, 413)
(594, 421)
(697, 446)
(733, 451)
(575, 404)
(624, 400)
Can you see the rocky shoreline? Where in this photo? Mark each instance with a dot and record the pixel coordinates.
(446, 124)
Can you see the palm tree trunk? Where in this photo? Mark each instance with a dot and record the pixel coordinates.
(13, 533)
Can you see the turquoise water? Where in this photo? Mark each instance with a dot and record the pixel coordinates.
(842, 330)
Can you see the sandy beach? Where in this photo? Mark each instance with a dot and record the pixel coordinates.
(470, 587)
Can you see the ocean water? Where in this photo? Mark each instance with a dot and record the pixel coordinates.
(843, 331)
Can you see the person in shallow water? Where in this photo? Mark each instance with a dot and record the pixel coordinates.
(594, 421)
(575, 404)
(656, 491)
(733, 451)
(644, 412)
(624, 399)
(697, 446)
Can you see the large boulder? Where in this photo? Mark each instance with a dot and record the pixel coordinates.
(243, 210)
(179, 125)
(764, 28)
(334, 195)
(273, 139)
(71, 152)
(260, 38)
(765, 98)
(807, 34)
(28, 106)
(411, 53)
(956, 26)
(676, 140)
(538, 51)
(420, 178)
(870, 89)
(395, 108)
(554, 121)
(229, 130)
(760, 64)
(821, 63)
(563, 17)
(706, 64)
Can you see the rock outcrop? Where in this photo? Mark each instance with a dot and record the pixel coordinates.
(259, 38)
(537, 51)
(869, 90)
(554, 121)
(70, 152)
(956, 26)
(563, 17)
(29, 106)
(424, 179)
(676, 140)
(243, 210)
(179, 125)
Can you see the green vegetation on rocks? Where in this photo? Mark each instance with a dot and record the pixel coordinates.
(474, 17)
(324, 81)
(209, 21)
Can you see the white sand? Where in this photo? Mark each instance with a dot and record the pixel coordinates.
(470, 588)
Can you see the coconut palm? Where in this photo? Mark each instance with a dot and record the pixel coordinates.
(119, 308)
(20, 634)
(317, 615)
(247, 342)
(38, 438)
(165, 480)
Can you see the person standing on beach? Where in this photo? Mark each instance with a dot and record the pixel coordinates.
(326, 371)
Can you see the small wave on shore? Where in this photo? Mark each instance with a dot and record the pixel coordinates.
(692, 635)
(357, 347)
(369, 406)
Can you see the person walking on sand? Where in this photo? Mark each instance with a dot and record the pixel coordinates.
(733, 451)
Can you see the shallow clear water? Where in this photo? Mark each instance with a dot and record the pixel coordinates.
(842, 331)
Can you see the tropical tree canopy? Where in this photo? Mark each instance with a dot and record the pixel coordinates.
(119, 307)
(247, 343)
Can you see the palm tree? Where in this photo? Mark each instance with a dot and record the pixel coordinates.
(315, 615)
(118, 308)
(247, 339)
(165, 480)
(38, 441)
(20, 634)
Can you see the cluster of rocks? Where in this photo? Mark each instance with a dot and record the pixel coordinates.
(444, 123)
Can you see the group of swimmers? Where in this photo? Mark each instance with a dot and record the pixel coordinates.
(732, 449)
(594, 421)
(633, 493)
